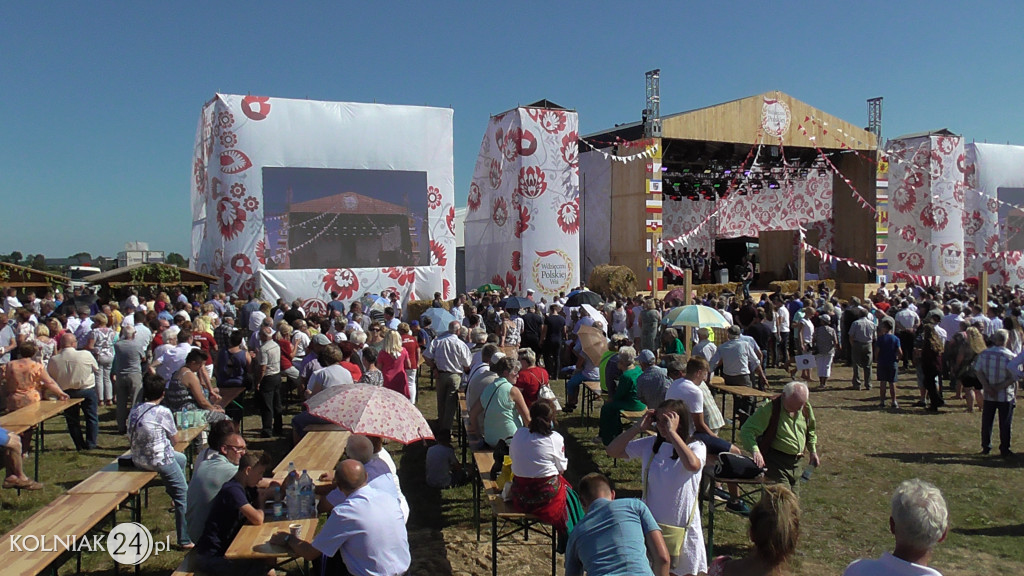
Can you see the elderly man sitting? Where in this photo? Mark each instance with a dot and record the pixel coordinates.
(780, 431)
(919, 520)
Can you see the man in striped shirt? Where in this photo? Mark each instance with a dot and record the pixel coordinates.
(995, 369)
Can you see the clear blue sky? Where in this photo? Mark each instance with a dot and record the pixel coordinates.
(99, 100)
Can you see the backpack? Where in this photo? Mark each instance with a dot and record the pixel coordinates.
(764, 442)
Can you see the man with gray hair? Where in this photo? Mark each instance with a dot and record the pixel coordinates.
(998, 372)
(129, 354)
(653, 383)
(919, 520)
(779, 432)
(450, 356)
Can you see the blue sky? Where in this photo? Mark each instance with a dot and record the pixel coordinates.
(99, 100)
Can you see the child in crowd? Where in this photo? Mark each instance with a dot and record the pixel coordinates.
(443, 468)
(888, 355)
(237, 502)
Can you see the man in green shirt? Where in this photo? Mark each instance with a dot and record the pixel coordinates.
(785, 428)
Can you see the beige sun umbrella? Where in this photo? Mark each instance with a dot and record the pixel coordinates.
(593, 342)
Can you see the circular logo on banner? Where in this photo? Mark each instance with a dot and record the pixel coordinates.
(552, 271)
(775, 117)
(951, 259)
(129, 543)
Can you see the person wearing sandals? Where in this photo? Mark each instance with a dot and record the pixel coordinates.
(671, 464)
(16, 478)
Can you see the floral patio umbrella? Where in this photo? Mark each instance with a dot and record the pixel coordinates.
(371, 410)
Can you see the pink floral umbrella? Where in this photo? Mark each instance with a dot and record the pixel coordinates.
(371, 410)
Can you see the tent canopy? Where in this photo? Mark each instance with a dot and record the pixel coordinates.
(14, 276)
(152, 274)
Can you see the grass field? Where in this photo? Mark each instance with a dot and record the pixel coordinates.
(865, 452)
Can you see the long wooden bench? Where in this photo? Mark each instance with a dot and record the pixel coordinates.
(114, 479)
(231, 401)
(76, 515)
(36, 415)
(525, 523)
(187, 566)
(591, 393)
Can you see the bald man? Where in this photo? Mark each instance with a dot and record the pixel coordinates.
(380, 472)
(367, 528)
(75, 372)
(779, 433)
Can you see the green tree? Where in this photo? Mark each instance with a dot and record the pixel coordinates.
(39, 262)
(15, 257)
(176, 259)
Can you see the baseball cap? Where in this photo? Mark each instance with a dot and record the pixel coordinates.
(646, 357)
(321, 339)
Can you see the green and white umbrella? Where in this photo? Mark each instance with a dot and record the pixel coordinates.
(695, 316)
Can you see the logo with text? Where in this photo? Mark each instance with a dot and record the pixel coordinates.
(128, 543)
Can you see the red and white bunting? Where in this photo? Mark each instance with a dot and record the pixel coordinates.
(647, 153)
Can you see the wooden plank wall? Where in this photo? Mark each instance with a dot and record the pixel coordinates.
(854, 232)
(628, 242)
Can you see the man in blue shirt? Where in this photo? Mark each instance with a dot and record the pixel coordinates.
(615, 537)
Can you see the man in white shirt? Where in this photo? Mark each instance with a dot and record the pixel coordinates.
(907, 322)
(951, 322)
(685, 388)
(451, 357)
(704, 347)
(919, 520)
(367, 528)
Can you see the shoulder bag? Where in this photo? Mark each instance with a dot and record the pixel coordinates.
(675, 536)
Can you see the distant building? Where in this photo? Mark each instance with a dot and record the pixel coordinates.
(138, 253)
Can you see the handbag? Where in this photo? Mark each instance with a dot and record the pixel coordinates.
(547, 393)
(674, 536)
(737, 467)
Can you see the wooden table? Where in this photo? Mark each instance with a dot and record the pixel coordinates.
(316, 451)
(738, 392)
(36, 415)
(232, 396)
(253, 542)
(68, 514)
(112, 479)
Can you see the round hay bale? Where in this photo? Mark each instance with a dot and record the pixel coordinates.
(609, 281)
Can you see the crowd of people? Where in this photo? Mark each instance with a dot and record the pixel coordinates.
(152, 360)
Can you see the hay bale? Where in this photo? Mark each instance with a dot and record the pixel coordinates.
(415, 308)
(791, 286)
(703, 290)
(609, 281)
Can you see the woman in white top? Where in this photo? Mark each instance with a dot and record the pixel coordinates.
(538, 462)
(671, 464)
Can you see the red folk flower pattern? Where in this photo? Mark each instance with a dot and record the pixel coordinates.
(240, 263)
(237, 190)
(199, 175)
(403, 274)
(225, 119)
(230, 218)
(251, 204)
(433, 197)
(523, 222)
(446, 288)
(234, 162)
(438, 255)
(570, 148)
(934, 217)
(569, 217)
(473, 201)
(517, 261)
(904, 198)
(341, 280)
(261, 252)
(510, 280)
(494, 173)
(499, 213)
(532, 182)
(228, 139)
(552, 121)
(449, 219)
(256, 107)
(915, 261)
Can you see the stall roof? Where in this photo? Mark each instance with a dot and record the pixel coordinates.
(741, 121)
(123, 276)
(15, 276)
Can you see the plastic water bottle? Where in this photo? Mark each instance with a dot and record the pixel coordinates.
(186, 421)
(278, 504)
(291, 493)
(306, 500)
